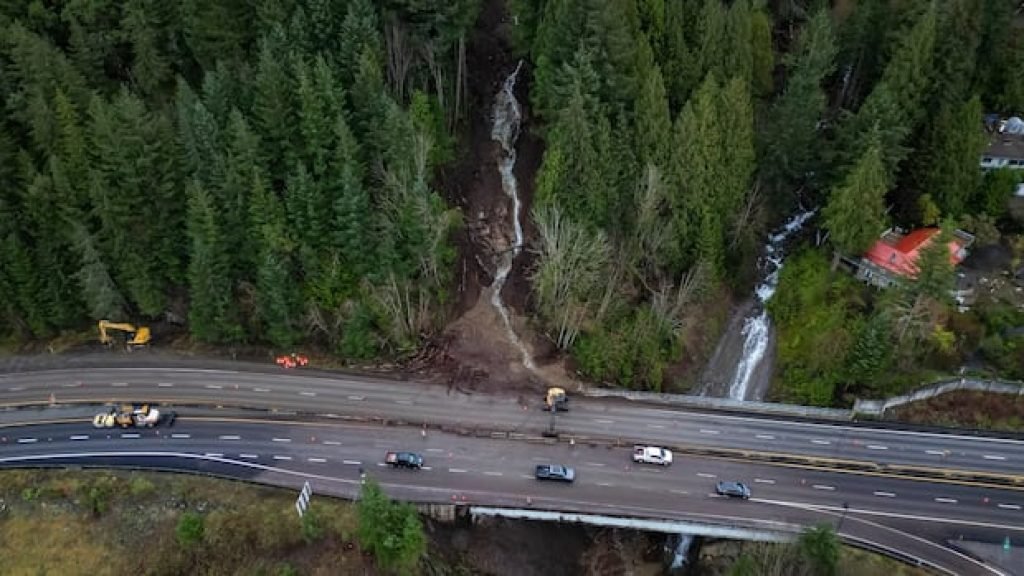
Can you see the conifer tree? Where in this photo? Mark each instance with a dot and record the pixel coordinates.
(855, 214)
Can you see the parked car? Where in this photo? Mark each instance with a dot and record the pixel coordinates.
(404, 460)
(555, 472)
(733, 490)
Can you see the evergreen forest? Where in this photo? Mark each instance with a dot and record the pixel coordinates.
(270, 172)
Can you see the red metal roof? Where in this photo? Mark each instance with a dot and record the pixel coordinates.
(900, 258)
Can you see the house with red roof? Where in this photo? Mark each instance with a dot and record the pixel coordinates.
(894, 256)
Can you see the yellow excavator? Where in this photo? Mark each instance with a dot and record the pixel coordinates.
(556, 399)
(135, 337)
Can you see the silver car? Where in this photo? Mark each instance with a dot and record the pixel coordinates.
(733, 490)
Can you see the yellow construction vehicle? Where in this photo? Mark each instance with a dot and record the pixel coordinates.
(557, 399)
(134, 337)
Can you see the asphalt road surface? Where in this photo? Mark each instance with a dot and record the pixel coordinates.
(911, 516)
(334, 396)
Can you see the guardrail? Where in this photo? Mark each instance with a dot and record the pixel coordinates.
(877, 408)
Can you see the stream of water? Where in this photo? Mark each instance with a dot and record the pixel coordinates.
(505, 131)
(757, 326)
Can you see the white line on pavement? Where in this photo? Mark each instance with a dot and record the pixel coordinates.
(426, 468)
(763, 481)
(27, 440)
(70, 385)
(822, 442)
(598, 464)
(603, 422)
(823, 487)
(307, 393)
(656, 426)
(276, 457)
(605, 484)
(934, 452)
(118, 384)
(332, 443)
(181, 435)
(317, 460)
(248, 456)
(165, 385)
(527, 476)
(764, 437)
(493, 474)
(683, 492)
(356, 397)
(993, 457)
(130, 436)
(214, 455)
(456, 470)
(230, 437)
(404, 402)
(352, 462)
(80, 437)
(281, 439)
(261, 389)
(705, 475)
(214, 386)
(877, 447)
(884, 494)
(704, 431)
(16, 388)
(435, 449)
(946, 500)
(1010, 506)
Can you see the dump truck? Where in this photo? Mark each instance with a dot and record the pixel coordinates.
(556, 398)
(132, 416)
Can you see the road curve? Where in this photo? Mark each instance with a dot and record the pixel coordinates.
(914, 517)
(336, 396)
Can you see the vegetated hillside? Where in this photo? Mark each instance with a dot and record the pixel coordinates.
(677, 130)
(263, 171)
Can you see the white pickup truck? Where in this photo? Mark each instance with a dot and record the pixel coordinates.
(652, 455)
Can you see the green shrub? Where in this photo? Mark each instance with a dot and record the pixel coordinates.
(190, 529)
(141, 487)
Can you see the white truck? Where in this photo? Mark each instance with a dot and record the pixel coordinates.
(652, 455)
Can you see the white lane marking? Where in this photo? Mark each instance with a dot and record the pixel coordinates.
(352, 462)
(119, 384)
(1010, 506)
(946, 500)
(261, 389)
(683, 492)
(281, 439)
(70, 385)
(332, 443)
(877, 447)
(381, 464)
(230, 437)
(356, 397)
(130, 436)
(317, 460)
(493, 474)
(605, 484)
(181, 435)
(823, 487)
(426, 468)
(165, 385)
(527, 476)
(705, 475)
(276, 457)
(248, 456)
(763, 481)
(993, 457)
(456, 470)
(603, 422)
(214, 386)
(405, 402)
(598, 464)
(214, 455)
(27, 440)
(16, 388)
(884, 494)
(764, 437)
(304, 393)
(656, 426)
(712, 432)
(935, 452)
(435, 449)
(822, 442)
(80, 437)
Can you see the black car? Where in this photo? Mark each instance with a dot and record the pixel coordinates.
(554, 472)
(404, 460)
(733, 490)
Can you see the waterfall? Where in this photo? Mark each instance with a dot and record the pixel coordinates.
(757, 326)
(505, 131)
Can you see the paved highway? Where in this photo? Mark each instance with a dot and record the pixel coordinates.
(911, 516)
(337, 396)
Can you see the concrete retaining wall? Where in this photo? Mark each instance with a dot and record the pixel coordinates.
(690, 401)
(877, 408)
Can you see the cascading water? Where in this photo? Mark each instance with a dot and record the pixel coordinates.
(505, 131)
(757, 325)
